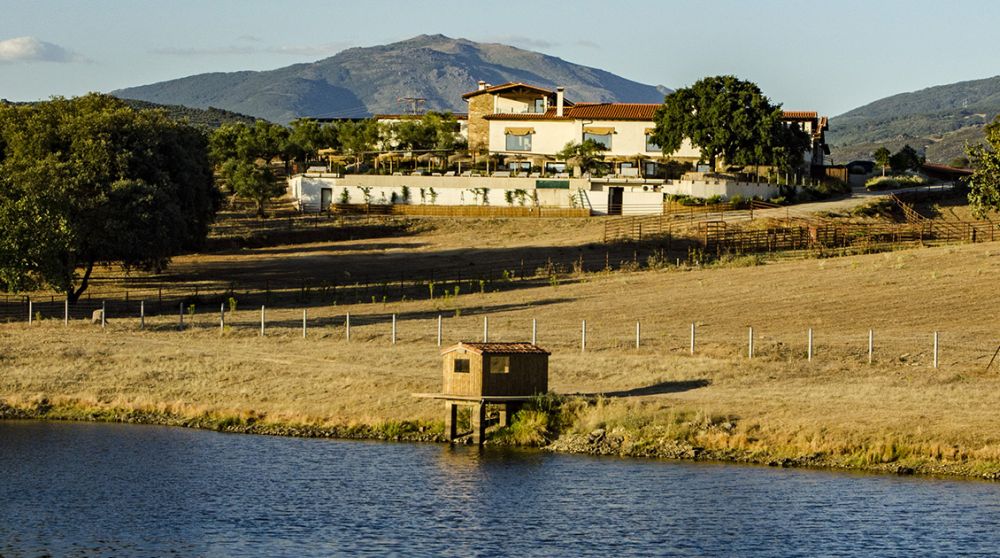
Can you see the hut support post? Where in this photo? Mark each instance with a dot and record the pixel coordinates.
(478, 423)
(507, 412)
(450, 420)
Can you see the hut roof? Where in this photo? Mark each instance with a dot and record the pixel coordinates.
(520, 347)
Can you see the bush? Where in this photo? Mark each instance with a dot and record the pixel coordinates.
(893, 182)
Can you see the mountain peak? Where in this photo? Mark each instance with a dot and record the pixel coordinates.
(361, 81)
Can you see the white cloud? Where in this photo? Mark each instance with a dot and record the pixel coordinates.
(30, 49)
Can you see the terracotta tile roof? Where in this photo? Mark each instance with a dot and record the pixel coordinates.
(799, 114)
(505, 87)
(520, 347)
(547, 115)
(614, 111)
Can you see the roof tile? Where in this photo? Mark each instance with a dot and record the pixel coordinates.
(521, 347)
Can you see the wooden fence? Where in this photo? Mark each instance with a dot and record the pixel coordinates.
(708, 228)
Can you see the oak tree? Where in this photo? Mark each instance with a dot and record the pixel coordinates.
(89, 181)
(728, 118)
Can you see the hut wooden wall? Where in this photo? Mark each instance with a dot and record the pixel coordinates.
(470, 383)
(528, 375)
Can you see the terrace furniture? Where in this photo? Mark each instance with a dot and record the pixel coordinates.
(450, 173)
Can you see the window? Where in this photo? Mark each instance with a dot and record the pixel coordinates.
(499, 364)
(518, 143)
(603, 139)
(461, 366)
(539, 105)
(650, 145)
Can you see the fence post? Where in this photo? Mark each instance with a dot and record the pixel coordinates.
(935, 349)
(66, 312)
(393, 329)
(534, 331)
(486, 329)
(222, 317)
(809, 352)
(262, 320)
(871, 346)
(439, 330)
(304, 317)
(30, 312)
(638, 333)
(104, 314)
(583, 336)
(692, 337)
(347, 327)
(750, 343)
(180, 325)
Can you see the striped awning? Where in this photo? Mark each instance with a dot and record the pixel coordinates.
(519, 131)
(650, 130)
(598, 131)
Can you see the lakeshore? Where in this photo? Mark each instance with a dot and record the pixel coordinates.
(898, 414)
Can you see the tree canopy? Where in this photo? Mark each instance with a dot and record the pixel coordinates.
(984, 184)
(587, 155)
(243, 154)
(729, 118)
(90, 181)
(906, 159)
(882, 157)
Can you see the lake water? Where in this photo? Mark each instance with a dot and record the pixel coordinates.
(120, 490)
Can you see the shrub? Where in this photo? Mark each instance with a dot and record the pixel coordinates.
(893, 182)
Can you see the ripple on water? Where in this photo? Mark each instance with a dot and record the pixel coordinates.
(109, 490)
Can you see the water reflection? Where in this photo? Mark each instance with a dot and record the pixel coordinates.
(111, 490)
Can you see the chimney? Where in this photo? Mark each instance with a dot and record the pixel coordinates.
(559, 101)
(482, 85)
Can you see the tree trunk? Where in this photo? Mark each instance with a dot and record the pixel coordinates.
(74, 295)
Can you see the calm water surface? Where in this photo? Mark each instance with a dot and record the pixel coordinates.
(117, 490)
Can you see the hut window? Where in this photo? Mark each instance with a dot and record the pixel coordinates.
(499, 365)
(461, 366)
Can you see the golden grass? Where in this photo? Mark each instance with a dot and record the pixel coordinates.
(775, 407)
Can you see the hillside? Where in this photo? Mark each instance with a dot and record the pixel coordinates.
(210, 117)
(940, 119)
(362, 81)
(942, 148)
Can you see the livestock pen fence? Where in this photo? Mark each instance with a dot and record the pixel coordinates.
(887, 343)
(714, 230)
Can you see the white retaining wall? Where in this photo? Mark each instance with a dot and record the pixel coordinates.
(637, 198)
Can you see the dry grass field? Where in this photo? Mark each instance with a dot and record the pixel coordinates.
(837, 410)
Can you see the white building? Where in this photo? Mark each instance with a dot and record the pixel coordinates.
(528, 126)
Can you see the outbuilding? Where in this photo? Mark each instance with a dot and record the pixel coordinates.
(496, 374)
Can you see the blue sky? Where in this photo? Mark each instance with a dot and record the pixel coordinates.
(828, 56)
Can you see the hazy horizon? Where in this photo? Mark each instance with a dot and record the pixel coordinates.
(803, 56)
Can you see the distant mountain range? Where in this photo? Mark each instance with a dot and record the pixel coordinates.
(359, 82)
(940, 120)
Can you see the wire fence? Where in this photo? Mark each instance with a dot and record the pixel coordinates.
(959, 348)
